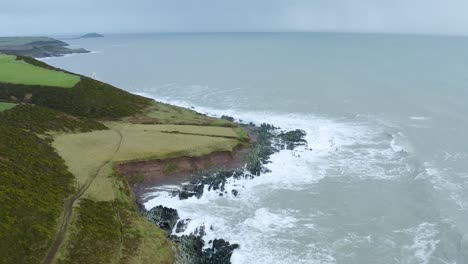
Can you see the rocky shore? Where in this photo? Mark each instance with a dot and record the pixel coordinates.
(198, 177)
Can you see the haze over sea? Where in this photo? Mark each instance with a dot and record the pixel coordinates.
(386, 117)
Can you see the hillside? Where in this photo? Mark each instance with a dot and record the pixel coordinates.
(63, 200)
(37, 47)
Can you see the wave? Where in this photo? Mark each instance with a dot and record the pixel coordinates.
(420, 118)
(354, 150)
(423, 245)
(68, 55)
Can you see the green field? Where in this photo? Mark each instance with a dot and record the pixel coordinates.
(15, 41)
(6, 106)
(161, 113)
(19, 72)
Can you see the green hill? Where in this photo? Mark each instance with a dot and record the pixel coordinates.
(62, 200)
(86, 97)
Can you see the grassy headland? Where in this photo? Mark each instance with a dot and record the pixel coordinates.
(37, 47)
(61, 145)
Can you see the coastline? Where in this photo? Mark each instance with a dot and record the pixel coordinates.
(143, 176)
(196, 176)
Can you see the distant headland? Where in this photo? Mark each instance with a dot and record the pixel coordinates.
(92, 35)
(36, 47)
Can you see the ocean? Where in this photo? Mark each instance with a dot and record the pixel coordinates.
(386, 118)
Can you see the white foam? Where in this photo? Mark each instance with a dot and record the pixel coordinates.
(424, 243)
(68, 55)
(420, 118)
(338, 149)
(266, 221)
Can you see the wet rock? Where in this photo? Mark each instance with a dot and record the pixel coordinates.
(220, 252)
(200, 231)
(165, 218)
(189, 250)
(234, 192)
(269, 140)
(228, 118)
(293, 138)
(182, 225)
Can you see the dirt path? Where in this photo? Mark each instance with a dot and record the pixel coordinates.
(70, 202)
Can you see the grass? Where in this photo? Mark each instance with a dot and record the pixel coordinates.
(227, 132)
(95, 237)
(115, 232)
(41, 120)
(242, 133)
(160, 113)
(15, 41)
(85, 153)
(91, 156)
(20, 72)
(144, 142)
(88, 98)
(33, 184)
(6, 106)
(52, 134)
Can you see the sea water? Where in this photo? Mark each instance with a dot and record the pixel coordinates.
(386, 118)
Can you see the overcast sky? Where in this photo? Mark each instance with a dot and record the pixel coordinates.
(49, 17)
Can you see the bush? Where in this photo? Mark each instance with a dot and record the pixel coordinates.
(34, 182)
(40, 120)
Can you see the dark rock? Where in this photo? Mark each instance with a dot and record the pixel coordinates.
(189, 250)
(200, 231)
(268, 141)
(165, 218)
(234, 192)
(293, 138)
(219, 253)
(228, 118)
(182, 225)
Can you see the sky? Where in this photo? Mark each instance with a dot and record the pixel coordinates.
(59, 17)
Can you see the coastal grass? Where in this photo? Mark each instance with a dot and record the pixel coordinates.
(41, 120)
(20, 72)
(95, 234)
(161, 113)
(16, 41)
(86, 153)
(114, 232)
(34, 181)
(87, 98)
(146, 143)
(227, 132)
(6, 106)
(107, 227)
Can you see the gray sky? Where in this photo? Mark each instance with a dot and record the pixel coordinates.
(43, 17)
